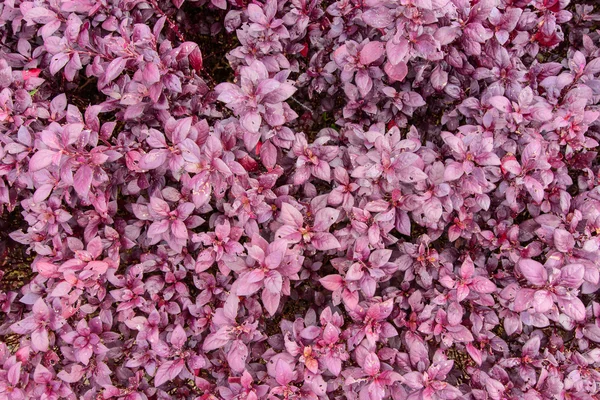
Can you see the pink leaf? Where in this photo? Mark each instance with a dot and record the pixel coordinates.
(82, 180)
(467, 268)
(151, 74)
(251, 121)
(378, 17)
(273, 282)
(113, 70)
(270, 301)
(397, 72)
(453, 171)
(414, 380)
(216, 340)
(572, 306)
(563, 241)
(168, 371)
(533, 271)
(501, 103)
(411, 174)
(159, 206)
(494, 388)
(268, 155)
(355, 272)
(324, 241)
(462, 291)
(42, 375)
(481, 284)
(283, 373)
(57, 62)
(290, 215)
(14, 374)
(195, 56)
(273, 260)
(474, 353)
(249, 283)
(324, 218)
(331, 333)
(523, 299)
(41, 159)
(531, 347)
(592, 332)
(454, 313)
(371, 364)
(39, 15)
(310, 332)
(237, 355)
(322, 171)
(396, 52)
(25, 326)
(535, 189)
(178, 337)
(572, 275)
(179, 229)
(542, 301)
(39, 340)
(256, 14)
(222, 4)
(62, 289)
(75, 375)
(332, 282)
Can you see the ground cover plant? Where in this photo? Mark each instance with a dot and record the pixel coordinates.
(299, 199)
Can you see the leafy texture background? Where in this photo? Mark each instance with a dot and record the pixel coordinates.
(299, 199)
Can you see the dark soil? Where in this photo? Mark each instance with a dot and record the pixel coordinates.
(15, 263)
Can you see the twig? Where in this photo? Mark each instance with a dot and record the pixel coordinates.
(302, 105)
(172, 24)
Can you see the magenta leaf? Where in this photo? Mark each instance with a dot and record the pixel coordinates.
(168, 371)
(534, 272)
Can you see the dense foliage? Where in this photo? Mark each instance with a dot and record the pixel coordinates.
(299, 199)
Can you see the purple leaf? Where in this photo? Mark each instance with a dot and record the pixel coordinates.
(332, 282)
(41, 159)
(82, 180)
(57, 62)
(396, 73)
(270, 301)
(113, 70)
(371, 364)
(154, 159)
(237, 356)
(178, 337)
(542, 301)
(290, 215)
(571, 306)
(396, 52)
(251, 121)
(571, 275)
(40, 340)
(534, 272)
(475, 353)
(453, 171)
(284, 373)
(216, 340)
(371, 52)
(324, 241)
(481, 284)
(535, 189)
(501, 103)
(563, 241)
(168, 371)
(14, 374)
